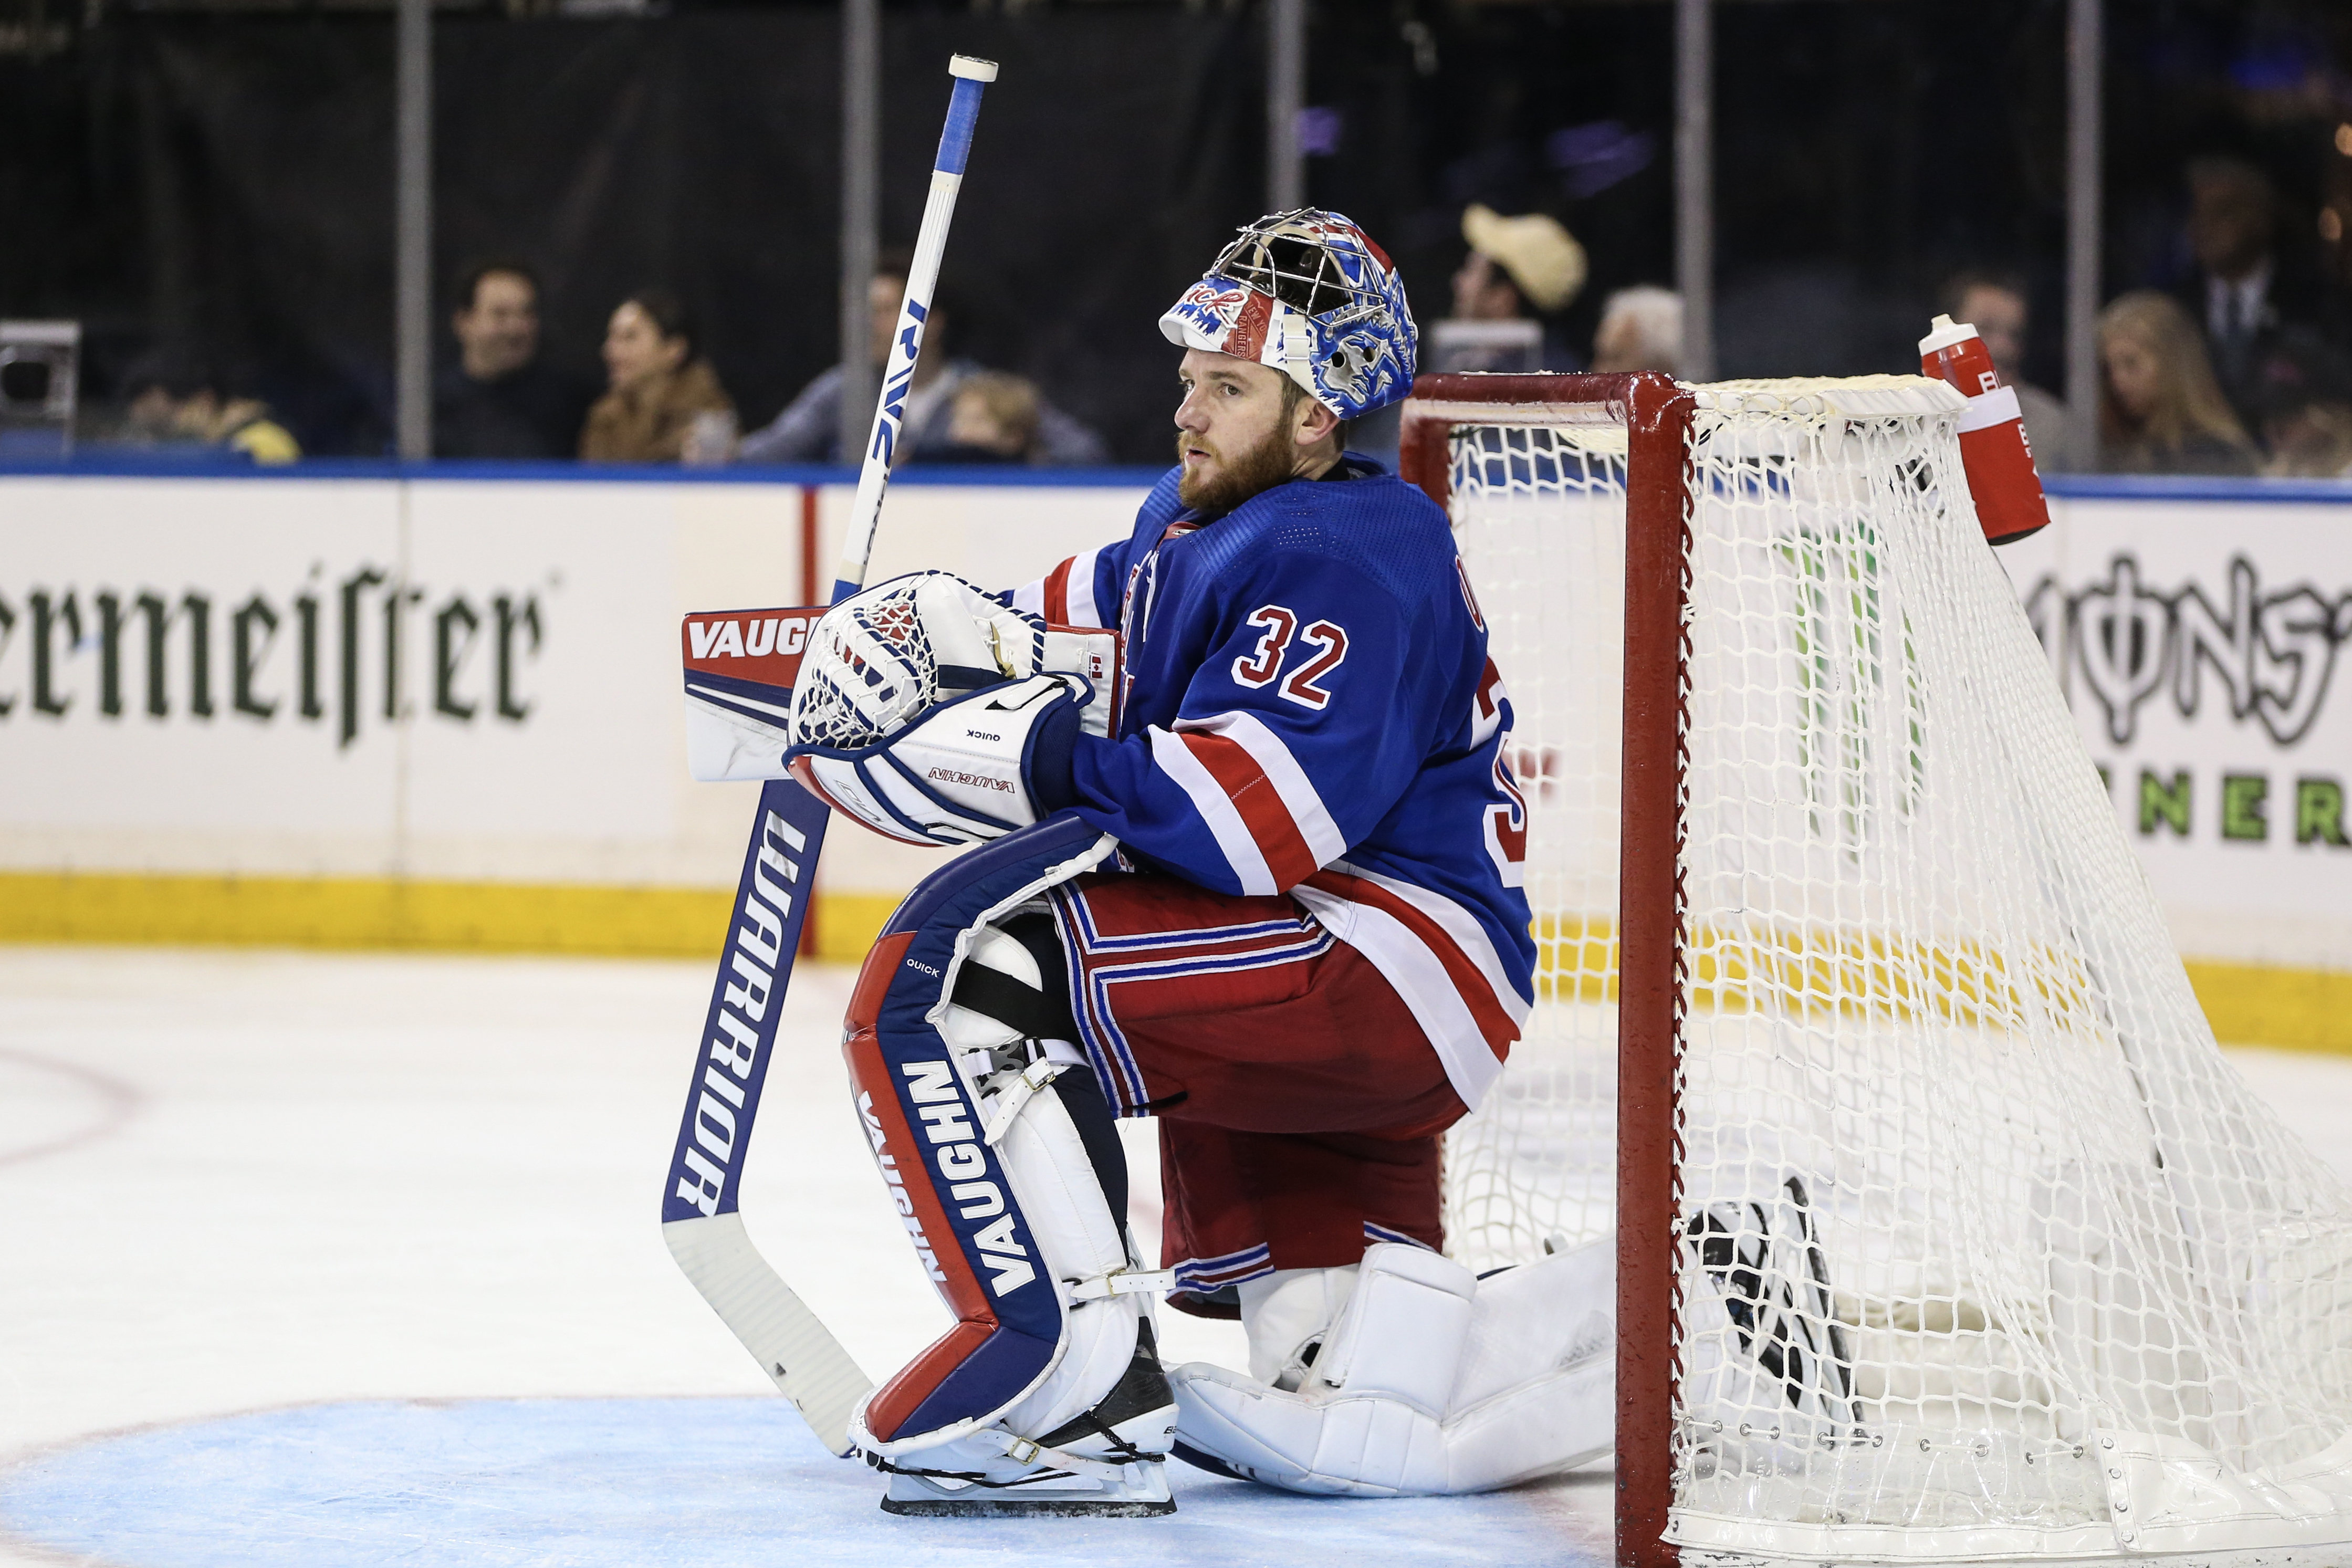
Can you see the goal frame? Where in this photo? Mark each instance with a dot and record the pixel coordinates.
(1656, 414)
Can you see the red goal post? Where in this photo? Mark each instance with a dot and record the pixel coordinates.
(1655, 413)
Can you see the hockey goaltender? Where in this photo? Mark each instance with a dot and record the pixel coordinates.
(1273, 901)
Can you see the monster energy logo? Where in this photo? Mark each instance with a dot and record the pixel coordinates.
(2269, 655)
(1860, 705)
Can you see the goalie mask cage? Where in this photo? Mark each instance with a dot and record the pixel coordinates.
(1944, 1232)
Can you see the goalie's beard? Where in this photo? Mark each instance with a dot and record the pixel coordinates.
(1242, 474)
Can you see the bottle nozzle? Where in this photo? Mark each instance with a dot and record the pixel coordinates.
(1944, 334)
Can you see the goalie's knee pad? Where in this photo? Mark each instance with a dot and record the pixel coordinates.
(1428, 1382)
(1000, 1166)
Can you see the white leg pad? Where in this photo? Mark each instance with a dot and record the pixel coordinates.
(1401, 1334)
(1287, 1312)
(1078, 1239)
(1560, 1312)
(1431, 1382)
(1535, 1393)
(1366, 1420)
(1338, 1448)
(1081, 1240)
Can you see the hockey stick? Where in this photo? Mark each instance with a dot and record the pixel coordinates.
(700, 1220)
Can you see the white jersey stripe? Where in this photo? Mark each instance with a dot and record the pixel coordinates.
(1084, 612)
(1174, 758)
(1306, 807)
(1428, 992)
(1463, 928)
(1030, 597)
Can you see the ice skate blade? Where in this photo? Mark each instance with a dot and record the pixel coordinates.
(1047, 1508)
(1145, 1492)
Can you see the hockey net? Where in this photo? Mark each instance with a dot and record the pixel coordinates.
(1971, 1243)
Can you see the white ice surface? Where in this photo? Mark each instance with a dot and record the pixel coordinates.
(311, 1191)
(345, 1260)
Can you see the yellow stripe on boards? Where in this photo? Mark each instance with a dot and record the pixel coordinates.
(849, 923)
(1734, 968)
(385, 912)
(361, 912)
(2296, 1009)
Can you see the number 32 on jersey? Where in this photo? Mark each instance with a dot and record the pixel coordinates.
(1280, 631)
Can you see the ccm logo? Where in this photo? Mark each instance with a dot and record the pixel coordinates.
(746, 638)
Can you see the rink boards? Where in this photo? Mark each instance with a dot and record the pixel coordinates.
(439, 707)
(443, 711)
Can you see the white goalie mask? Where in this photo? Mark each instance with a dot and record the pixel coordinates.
(1307, 293)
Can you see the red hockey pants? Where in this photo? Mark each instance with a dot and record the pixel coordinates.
(1300, 1105)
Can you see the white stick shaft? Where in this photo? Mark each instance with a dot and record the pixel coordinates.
(971, 78)
(897, 381)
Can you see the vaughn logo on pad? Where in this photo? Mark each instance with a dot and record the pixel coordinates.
(740, 669)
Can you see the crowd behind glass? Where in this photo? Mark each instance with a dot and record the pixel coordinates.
(2245, 369)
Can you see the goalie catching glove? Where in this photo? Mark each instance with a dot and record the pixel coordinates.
(882, 659)
(967, 771)
(933, 714)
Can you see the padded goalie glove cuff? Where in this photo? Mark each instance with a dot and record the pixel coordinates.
(967, 771)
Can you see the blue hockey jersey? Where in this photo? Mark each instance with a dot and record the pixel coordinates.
(1310, 710)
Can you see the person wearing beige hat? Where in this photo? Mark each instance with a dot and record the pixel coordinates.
(1519, 269)
(1516, 266)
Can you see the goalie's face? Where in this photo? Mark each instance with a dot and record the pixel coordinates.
(1245, 427)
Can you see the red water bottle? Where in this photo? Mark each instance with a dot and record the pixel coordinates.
(1993, 449)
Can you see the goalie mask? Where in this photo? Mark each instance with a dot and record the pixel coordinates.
(1309, 293)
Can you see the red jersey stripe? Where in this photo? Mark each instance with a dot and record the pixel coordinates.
(1287, 856)
(1477, 992)
(1057, 594)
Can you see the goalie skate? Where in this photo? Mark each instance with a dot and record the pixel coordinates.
(1771, 1278)
(1110, 1462)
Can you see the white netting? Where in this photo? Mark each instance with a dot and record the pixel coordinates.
(1987, 1250)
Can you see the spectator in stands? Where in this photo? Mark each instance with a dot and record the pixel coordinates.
(1524, 269)
(1641, 329)
(659, 384)
(809, 429)
(2160, 411)
(2260, 308)
(176, 399)
(993, 419)
(2309, 440)
(501, 399)
(1995, 304)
